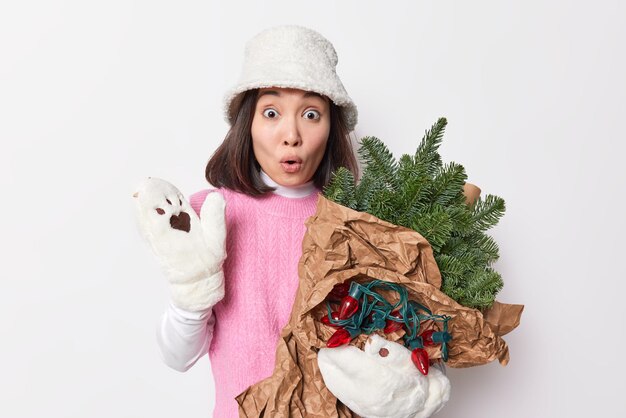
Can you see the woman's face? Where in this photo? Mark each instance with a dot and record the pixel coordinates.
(290, 130)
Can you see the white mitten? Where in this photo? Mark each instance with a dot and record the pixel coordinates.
(191, 250)
(381, 381)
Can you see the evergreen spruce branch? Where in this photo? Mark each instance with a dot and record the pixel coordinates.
(435, 226)
(455, 291)
(367, 191)
(447, 186)
(480, 288)
(409, 199)
(487, 212)
(341, 188)
(457, 247)
(452, 268)
(426, 154)
(451, 246)
(481, 246)
(349, 186)
(378, 160)
(452, 273)
(409, 218)
(476, 300)
(461, 218)
(382, 205)
(407, 169)
(466, 261)
(415, 182)
(363, 191)
(488, 249)
(422, 193)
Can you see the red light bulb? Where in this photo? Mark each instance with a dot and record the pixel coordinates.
(339, 338)
(340, 290)
(419, 356)
(392, 326)
(350, 303)
(349, 306)
(326, 321)
(427, 337)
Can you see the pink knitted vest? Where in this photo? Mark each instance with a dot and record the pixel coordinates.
(264, 245)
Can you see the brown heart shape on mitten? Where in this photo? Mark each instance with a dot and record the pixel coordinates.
(181, 221)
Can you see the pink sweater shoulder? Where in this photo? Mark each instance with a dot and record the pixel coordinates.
(197, 199)
(264, 246)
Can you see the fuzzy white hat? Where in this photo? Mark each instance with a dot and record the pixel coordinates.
(292, 57)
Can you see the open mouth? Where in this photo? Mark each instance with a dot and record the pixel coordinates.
(291, 165)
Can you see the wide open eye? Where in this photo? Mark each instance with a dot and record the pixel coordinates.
(270, 113)
(312, 114)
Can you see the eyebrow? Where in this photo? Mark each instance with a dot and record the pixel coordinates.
(276, 93)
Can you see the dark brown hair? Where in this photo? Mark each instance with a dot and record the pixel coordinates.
(234, 166)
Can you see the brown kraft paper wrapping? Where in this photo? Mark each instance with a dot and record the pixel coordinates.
(342, 244)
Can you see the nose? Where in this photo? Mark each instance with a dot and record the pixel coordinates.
(291, 132)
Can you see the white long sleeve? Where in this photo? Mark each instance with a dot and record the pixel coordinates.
(184, 336)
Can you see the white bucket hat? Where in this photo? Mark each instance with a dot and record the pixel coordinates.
(292, 57)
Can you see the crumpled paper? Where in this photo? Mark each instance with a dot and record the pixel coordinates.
(342, 244)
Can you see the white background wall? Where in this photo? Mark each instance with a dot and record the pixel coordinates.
(96, 95)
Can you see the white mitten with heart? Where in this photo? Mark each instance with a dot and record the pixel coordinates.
(191, 250)
(381, 381)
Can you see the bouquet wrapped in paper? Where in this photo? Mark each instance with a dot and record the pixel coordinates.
(373, 372)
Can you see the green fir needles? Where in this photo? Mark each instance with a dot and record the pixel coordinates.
(422, 193)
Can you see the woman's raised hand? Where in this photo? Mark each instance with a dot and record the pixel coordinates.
(191, 250)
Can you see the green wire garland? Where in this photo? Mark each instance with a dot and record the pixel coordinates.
(373, 303)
